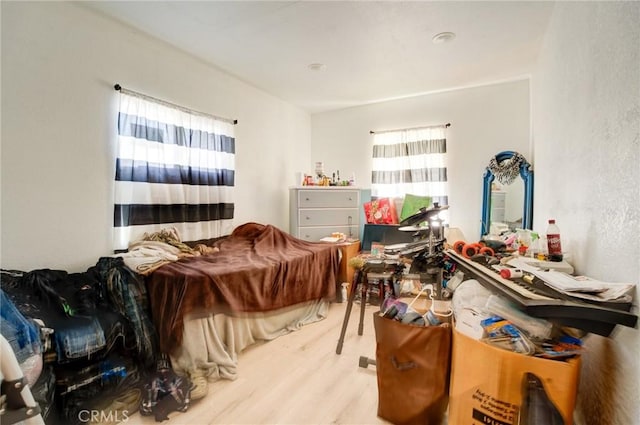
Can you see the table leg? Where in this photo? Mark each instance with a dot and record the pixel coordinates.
(347, 313)
(364, 288)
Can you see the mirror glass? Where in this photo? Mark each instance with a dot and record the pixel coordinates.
(506, 203)
(507, 194)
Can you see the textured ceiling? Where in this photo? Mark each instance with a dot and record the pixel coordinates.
(373, 51)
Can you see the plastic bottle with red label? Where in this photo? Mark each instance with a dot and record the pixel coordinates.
(553, 241)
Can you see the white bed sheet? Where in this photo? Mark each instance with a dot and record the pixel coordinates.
(211, 344)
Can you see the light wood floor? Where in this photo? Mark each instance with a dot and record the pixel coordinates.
(296, 379)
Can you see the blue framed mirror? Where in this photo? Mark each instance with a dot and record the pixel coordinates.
(507, 195)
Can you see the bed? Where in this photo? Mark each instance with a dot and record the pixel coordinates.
(262, 283)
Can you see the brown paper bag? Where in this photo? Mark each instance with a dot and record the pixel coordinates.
(413, 365)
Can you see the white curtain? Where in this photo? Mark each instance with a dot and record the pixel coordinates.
(410, 161)
(174, 168)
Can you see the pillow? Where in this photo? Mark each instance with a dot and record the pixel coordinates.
(381, 211)
(412, 203)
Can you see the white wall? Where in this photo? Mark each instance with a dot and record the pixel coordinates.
(586, 122)
(59, 64)
(484, 121)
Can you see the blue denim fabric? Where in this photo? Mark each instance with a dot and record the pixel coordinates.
(80, 340)
(23, 335)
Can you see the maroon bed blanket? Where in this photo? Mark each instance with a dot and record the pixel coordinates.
(258, 268)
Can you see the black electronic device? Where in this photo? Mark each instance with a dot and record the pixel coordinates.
(386, 234)
(424, 214)
(539, 300)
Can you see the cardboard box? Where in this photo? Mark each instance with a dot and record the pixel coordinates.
(493, 386)
(377, 249)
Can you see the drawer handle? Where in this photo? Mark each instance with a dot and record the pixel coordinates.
(350, 198)
(307, 217)
(306, 199)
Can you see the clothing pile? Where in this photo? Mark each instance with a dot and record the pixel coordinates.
(154, 250)
(81, 339)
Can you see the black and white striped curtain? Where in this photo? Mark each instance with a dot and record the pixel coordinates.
(174, 168)
(410, 161)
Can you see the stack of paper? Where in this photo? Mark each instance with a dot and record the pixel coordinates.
(586, 287)
(576, 286)
(330, 239)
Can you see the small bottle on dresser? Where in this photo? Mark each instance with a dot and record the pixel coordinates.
(553, 241)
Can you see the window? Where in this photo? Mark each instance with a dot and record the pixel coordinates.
(174, 168)
(410, 161)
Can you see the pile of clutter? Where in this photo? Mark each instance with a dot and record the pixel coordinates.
(484, 316)
(422, 310)
(525, 242)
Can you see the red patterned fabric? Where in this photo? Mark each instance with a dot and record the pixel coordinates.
(381, 211)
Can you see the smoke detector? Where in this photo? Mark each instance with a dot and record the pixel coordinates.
(317, 67)
(443, 37)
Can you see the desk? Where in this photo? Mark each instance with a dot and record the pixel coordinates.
(345, 274)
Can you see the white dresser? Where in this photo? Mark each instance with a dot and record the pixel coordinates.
(318, 211)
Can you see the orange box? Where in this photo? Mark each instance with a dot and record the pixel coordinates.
(494, 386)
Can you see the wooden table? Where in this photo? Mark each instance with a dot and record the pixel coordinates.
(345, 274)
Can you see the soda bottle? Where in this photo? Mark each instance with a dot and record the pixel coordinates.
(553, 241)
(536, 406)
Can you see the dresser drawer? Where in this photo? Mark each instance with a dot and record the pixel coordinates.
(327, 217)
(337, 198)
